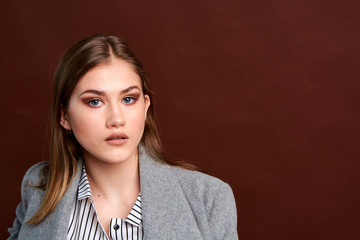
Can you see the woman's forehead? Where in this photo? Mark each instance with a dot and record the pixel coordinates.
(115, 75)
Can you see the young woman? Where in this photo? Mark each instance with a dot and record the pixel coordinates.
(107, 177)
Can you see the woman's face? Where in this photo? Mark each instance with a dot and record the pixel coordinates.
(107, 112)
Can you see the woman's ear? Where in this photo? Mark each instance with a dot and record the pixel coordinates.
(64, 121)
(147, 103)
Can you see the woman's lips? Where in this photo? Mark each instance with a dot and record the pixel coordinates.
(116, 139)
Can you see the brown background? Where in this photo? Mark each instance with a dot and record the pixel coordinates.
(262, 94)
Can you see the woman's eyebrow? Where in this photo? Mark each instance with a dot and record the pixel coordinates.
(101, 93)
(129, 89)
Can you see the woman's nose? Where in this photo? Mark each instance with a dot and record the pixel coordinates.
(115, 117)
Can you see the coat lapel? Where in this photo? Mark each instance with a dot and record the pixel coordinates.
(65, 206)
(55, 225)
(165, 209)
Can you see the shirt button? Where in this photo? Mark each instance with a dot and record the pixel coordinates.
(116, 226)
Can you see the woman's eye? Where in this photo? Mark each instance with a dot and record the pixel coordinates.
(128, 100)
(94, 103)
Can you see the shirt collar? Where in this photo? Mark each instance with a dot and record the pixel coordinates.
(84, 192)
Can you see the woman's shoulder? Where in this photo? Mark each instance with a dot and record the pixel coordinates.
(209, 196)
(198, 183)
(33, 175)
(32, 182)
(33, 178)
(197, 177)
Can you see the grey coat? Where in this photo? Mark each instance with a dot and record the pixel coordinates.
(176, 204)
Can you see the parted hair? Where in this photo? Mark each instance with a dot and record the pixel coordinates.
(64, 148)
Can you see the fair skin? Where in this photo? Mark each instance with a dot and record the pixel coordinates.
(106, 113)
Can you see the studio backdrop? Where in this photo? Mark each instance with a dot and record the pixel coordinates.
(263, 94)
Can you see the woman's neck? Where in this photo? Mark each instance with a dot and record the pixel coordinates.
(113, 181)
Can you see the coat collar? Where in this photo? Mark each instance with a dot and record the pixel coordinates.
(165, 207)
(55, 225)
(159, 190)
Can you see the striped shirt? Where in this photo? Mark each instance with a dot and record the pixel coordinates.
(84, 222)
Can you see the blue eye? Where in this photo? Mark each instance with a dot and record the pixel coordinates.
(94, 103)
(128, 100)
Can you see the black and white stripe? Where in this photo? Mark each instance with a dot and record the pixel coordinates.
(84, 223)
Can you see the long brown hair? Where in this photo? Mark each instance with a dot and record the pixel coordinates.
(64, 149)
